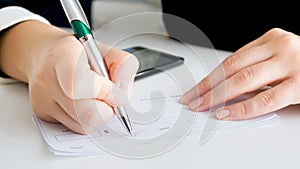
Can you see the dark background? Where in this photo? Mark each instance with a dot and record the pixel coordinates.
(228, 25)
(50, 9)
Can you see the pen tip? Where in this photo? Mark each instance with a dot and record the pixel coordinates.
(127, 125)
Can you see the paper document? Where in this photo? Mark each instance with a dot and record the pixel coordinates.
(171, 117)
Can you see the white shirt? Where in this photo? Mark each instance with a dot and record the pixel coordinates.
(12, 15)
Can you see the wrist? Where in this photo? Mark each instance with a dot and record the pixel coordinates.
(23, 45)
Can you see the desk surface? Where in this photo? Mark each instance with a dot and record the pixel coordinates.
(272, 146)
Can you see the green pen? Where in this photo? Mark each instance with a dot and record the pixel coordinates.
(82, 30)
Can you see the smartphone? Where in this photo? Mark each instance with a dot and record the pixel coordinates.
(153, 61)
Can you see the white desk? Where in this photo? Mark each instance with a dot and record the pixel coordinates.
(273, 146)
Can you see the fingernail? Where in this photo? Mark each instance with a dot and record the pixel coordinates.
(196, 103)
(222, 113)
(187, 97)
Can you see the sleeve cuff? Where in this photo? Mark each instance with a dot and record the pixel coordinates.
(14, 14)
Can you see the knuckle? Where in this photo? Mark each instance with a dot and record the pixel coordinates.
(266, 99)
(245, 76)
(207, 102)
(243, 109)
(275, 31)
(216, 97)
(231, 62)
(65, 42)
(289, 41)
(204, 84)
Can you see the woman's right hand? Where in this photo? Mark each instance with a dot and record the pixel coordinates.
(62, 87)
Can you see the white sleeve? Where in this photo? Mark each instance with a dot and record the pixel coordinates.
(12, 15)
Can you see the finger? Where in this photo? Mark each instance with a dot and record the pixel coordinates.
(119, 61)
(92, 113)
(234, 63)
(76, 78)
(89, 113)
(91, 85)
(61, 116)
(125, 74)
(78, 81)
(39, 104)
(246, 80)
(268, 101)
(123, 67)
(125, 71)
(252, 53)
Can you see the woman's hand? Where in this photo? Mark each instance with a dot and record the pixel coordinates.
(62, 87)
(271, 60)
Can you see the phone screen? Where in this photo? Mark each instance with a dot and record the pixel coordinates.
(153, 61)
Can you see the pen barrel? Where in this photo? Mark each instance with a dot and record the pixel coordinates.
(98, 64)
(74, 11)
(82, 30)
(95, 58)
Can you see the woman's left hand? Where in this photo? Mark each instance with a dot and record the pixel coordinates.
(271, 60)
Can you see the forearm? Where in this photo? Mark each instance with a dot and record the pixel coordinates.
(22, 44)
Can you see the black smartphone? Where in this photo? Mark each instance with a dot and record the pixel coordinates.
(153, 61)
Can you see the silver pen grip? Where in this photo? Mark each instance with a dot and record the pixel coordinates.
(94, 56)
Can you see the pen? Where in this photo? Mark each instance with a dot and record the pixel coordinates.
(82, 30)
